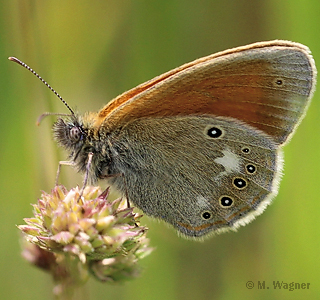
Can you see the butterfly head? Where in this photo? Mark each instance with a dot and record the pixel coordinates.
(71, 134)
(78, 136)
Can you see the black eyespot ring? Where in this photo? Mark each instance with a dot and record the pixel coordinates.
(246, 150)
(226, 201)
(251, 169)
(239, 183)
(214, 132)
(75, 134)
(206, 215)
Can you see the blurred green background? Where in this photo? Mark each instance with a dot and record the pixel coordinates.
(91, 51)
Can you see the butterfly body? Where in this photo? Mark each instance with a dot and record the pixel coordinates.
(200, 146)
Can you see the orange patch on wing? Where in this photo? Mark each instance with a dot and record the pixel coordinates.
(226, 84)
(107, 109)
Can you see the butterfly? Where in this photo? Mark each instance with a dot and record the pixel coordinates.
(200, 146)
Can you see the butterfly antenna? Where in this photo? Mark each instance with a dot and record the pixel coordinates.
(18, 61)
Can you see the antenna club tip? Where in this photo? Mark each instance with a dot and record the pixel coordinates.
(14, 59)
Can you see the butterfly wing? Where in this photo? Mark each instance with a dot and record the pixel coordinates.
(201, 175)
(267, 85)
(199, 146)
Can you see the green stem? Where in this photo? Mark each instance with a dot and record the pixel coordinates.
(70, 275)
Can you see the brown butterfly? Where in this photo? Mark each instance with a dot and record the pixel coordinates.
(199, 146)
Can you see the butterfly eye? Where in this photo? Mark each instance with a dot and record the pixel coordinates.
(75, 134)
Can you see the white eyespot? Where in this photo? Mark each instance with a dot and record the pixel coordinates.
(213, 132)
(226, 201)
(251, 169)
(245, 150)
(206, 215)
(279, 82)
(239, 183)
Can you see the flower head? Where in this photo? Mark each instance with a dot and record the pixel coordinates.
(98, 236)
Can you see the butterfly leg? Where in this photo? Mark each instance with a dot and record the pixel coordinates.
(86, 175)
(65, 163)
(126, 189)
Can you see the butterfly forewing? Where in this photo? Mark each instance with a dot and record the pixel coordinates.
(266, 85)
